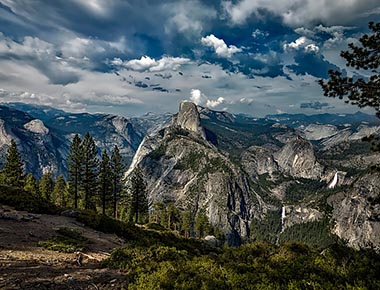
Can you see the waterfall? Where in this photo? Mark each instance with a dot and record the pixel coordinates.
(283, 214)
(334, 182)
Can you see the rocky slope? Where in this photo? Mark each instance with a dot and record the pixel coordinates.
(43, 135)
(254, 178)
(182, 167)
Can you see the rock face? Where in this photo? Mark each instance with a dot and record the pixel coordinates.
(188, 119)
(356, 213)
(36, 126)
(180, 166)
(44, 143)
(259, 160)
(297, 158)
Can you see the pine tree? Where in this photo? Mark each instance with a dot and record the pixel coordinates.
(360, 91)
(13, 171)
(138, 195)
(60, 192)
(31, 185)
(47, 186)
(187, 223)
(75, 168)
(173, 217)
(105, 181)
(90, 168)
(202, 225)
(117, 169)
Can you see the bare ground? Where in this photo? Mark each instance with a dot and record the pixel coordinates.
(24, 265)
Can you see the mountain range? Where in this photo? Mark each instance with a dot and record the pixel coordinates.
(276, 178)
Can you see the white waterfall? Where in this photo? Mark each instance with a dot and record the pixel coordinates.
(334, 182)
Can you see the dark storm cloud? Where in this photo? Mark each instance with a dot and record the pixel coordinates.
(85, 50)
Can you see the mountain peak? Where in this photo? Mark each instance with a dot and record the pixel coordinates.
(188, 118)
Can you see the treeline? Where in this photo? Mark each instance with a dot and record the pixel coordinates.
(98, 184)
(92, 183)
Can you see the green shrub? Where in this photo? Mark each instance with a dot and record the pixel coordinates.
(23, 200)
(67, 241)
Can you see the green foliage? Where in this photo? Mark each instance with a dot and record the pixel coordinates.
(251, 266)
(302, 188)
(60, 195)
(359, 91)
(23, 200)
(90, 168)
(13, 171)
(75, 169)
(363, 92)
(138, 201)
(159, 152)
(105, 181)
(315, 233)
(47, 186)
(117, 171)
(202, 226)
(67, 241)
(268, 228)
(31, 185)
(190, 161)
(187, 222)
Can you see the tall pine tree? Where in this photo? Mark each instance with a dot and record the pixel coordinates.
(75, 169)
(31, 185)
(60, 192)
(13, 172)
(47, 186)
(105, 181)
(90, 166)
(138, 195)
(117, 169)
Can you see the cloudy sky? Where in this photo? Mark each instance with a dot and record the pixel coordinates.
(133, 56)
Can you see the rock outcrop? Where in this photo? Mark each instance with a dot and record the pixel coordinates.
(188, 119)
(356, 213)
(297, 158)
(183, 168)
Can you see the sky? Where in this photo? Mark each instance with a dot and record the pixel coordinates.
(130, 57)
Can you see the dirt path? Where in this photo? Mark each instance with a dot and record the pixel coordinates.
(24, 265)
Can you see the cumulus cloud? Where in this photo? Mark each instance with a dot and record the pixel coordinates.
(146, 63)
(214, 103)
(197, 97)
(219, 45)
(200, 99)
(301, 43)
(296, 13)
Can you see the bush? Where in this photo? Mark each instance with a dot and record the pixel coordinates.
(23, 200)
(67, 241)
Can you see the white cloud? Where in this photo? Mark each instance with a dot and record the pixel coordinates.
(200, 99)
(296, 13)
(145, 63)
(220, 47)
(260, 34)
(214, 103)
(187, 17)
(197, 97)
(301, 43)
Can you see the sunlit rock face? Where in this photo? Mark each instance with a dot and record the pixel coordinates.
(182, 167)
(188, 119)
(356, 213)
(297, 158)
